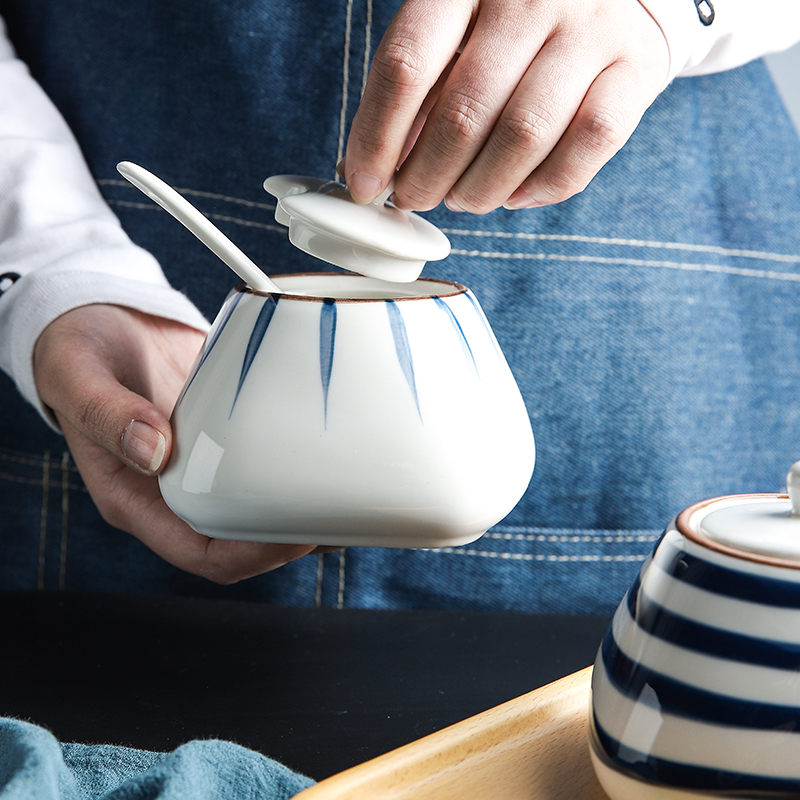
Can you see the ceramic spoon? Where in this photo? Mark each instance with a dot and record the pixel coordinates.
(211, 236)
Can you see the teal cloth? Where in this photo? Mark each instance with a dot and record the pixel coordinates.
(35, 766)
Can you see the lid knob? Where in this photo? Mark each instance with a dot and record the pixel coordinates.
(793, 487)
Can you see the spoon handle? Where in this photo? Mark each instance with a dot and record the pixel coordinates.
(211, 236)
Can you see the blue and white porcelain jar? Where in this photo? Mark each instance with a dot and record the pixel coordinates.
(349, 411)
(696, 687)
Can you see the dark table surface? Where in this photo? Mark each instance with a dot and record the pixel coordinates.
(319, 689)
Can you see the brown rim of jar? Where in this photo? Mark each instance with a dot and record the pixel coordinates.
(458, 288)
(682, 524)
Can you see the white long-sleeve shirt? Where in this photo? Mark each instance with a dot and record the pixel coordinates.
(741, 31)
(58, 232)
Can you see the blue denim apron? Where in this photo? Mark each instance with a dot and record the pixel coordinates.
(652, 322)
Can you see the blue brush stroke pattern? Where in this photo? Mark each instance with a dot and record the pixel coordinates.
(403, 349)
(327, 342)
(212, 339)
(256, 337)
(485, 322)
(459, 331)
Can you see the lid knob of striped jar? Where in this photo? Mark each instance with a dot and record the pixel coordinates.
(793, 487)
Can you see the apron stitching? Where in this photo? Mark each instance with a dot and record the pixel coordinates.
(248, 222)
(345, 81)
(540, 556)
(566, 538)
(754, 254)
(35, 462)
(218, 217)
(545, 237)
(38, 482)
(62, 567)
(45, 482)
(514, 529)
(695, 248)
(320, 571)
(340, 593)
(367, 47)
(636, 262)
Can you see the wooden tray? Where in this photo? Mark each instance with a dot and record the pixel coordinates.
(534, 747)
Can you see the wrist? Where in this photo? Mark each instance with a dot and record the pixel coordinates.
(688, 28)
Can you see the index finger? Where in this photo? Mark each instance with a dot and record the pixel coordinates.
(416, 49)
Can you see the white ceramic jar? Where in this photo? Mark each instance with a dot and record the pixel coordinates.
(696, 688)
(349, 411)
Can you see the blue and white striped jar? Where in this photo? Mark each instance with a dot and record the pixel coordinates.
(696, 687)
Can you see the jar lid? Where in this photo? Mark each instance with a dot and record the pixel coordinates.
(760, 527)
(375, 239)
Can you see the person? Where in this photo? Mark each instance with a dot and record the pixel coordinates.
(644, 295)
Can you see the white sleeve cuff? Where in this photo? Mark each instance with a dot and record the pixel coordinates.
(741, 31)
(78, 280)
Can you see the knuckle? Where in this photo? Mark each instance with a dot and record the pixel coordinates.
(598, 133)
(525, 129)
(212, 564)
(94, 414)
(373, 147)
(221, 574)
(417, 192)
(603, 128)
(475, 201)
(222, 577)
(224, 565)
(560, 187)
(560, 182)
(114, 511)
(400, 65)
(463, 119)
(110, 513)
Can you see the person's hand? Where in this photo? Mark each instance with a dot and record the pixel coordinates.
(111, 376)
(502, 102)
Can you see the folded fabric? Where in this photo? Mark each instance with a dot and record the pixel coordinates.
(35, 766)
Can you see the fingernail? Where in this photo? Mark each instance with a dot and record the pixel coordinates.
(340, 168)
(453, 205)
(520, 199)
(144, 445)
(364, 188)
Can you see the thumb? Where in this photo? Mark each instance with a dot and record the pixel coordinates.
(111, 375)
(119, 420)
(88, 400)
(144, 446)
